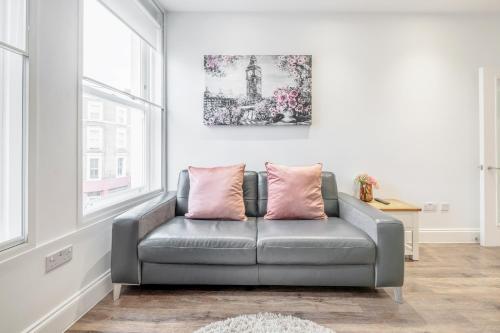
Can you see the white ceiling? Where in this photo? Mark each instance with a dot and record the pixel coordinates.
(390, 6)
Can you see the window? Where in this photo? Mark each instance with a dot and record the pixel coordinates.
(121, 115)
(94, 138)
(94, 111)
(121, 138)
(122, 79)
(94, 165)
(120, 166)
(13, 108)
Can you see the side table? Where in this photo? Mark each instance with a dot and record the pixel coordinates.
(409, 215)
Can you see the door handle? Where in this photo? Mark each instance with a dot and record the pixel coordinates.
(493, 168)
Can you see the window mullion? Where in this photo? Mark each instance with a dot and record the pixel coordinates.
(145, 70)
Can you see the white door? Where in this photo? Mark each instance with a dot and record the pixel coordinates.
(489, 129)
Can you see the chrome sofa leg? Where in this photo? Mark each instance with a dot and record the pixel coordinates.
(398, 295)
(117, 288)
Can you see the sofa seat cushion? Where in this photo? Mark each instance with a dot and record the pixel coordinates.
(185, 241)
(312, 242)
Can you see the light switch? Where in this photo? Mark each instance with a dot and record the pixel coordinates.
(445, 206)
(430, 207)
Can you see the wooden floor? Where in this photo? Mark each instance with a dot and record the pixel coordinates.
(453, 288)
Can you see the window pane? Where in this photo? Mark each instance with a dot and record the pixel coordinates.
(111, 51)
(156, 76)
(13, 23)
(119, 169)
(11, 146)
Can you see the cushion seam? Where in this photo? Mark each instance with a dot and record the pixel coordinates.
(201, 248)
(319, 248)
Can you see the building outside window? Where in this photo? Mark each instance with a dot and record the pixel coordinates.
(120, 166)
(122, 81)
(121, 138)
(94, 111)
(94, 138)
(121, 115)
(94, 165)
(13, 111)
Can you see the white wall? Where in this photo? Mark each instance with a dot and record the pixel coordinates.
(30, 299)
(393, 95)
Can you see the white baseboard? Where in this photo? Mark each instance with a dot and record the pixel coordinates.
(452, 235)
(68, 312)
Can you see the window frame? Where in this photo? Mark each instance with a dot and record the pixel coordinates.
(124, 165)
(111, 210)
(10, 244)
(99, 159)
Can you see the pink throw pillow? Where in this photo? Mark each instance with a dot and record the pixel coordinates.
(294, 193)
(216, 193)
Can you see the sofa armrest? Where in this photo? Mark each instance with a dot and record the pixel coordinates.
(128, 230)
(386, 232)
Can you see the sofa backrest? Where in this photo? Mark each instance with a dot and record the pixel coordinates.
(249, 193)
(255, 193)
(328, 190)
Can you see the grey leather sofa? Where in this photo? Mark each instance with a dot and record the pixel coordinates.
(358, 245)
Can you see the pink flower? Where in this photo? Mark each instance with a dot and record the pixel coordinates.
(292, 61)
(292, 103)
(299, 108)
(366, 179)
(282, 98)
(293, 93)
(301, 60)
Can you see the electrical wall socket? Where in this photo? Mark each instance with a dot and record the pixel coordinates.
(56, 259)
(430, 207)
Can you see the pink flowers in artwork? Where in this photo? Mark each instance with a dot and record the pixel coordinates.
(288, 99)
(215, 64)
(299, 66)
(294, 60)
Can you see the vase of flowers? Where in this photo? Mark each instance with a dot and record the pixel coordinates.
(366, 185)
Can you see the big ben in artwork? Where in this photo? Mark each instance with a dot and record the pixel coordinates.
(254, 80)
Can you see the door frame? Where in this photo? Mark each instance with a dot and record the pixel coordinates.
(489, 78)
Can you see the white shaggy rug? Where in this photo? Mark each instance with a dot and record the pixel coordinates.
(264, 323)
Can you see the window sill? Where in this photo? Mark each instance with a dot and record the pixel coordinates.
(116, 209)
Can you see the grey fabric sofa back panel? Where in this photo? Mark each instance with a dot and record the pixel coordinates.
(249, 193)
(328, 189)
